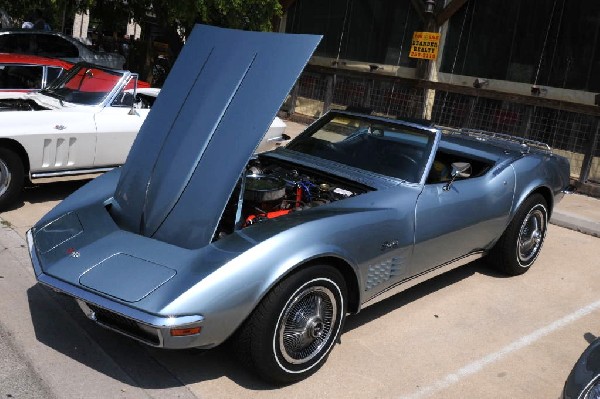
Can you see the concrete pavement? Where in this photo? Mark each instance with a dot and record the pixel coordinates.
(468, 333)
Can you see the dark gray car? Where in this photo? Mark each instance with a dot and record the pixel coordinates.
(55, 45)
(584, 380)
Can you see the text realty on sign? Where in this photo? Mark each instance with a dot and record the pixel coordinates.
(424, 45)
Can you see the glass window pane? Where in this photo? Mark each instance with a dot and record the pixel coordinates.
(53, 73)
(22, 77)
(55, 46)
(16, 43)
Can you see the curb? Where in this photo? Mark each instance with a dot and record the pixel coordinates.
(576, 223)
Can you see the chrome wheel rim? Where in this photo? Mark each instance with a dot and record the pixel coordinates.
(531, 235)
(5, 177)
(307, 324)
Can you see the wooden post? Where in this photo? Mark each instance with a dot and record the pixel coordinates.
(293, 99)
(591, 144)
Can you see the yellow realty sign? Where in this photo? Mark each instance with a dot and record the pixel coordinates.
(425, 45)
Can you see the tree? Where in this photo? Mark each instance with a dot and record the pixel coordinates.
(52, 10)
(181, 14)
(176, 18)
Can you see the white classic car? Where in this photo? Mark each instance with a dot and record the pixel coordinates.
(85, 122)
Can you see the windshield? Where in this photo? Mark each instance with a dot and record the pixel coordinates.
(84, 85)
(374, 145)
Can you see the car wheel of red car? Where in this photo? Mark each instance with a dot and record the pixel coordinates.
(11, 177)
(522, 241)
(291, 332)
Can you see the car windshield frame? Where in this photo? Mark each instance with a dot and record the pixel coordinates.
(376, 145)
(86, 84)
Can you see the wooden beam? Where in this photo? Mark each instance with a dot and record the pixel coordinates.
(449, 11)
(524, 99)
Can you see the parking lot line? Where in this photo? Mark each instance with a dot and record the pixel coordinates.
(521, 343)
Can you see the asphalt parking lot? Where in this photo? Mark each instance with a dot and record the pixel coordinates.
(468, 333)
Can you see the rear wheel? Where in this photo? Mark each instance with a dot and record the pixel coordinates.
(522, 241)
(291, 332)
(12, 175)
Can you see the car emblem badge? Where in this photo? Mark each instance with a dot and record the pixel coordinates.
(390, 245)
(73, 253)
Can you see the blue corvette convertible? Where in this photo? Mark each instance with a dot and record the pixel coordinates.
(195, 240)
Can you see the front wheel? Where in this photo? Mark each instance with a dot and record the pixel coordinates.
(291, 332)
(11, 177)
(522, 241)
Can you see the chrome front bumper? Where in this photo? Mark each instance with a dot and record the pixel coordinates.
(154, 330)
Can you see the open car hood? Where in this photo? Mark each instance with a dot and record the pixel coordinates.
(217, 103)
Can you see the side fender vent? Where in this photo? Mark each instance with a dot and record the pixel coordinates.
(382, 272)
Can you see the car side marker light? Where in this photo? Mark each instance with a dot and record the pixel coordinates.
(182, 332)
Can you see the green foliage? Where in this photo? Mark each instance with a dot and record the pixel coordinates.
(183, 14)
(170, 19)
(52, 10)
(239, 14)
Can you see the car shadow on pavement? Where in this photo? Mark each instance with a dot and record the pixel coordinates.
(60, 324)
(421, 290)
(51, 191)
(45, 192)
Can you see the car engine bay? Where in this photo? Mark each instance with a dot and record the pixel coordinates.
(273, 189)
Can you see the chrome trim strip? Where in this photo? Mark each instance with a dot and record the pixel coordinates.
(484, 134)
(419, 278)
(74, 172)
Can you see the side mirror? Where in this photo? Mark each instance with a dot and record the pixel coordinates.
(459, 170)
